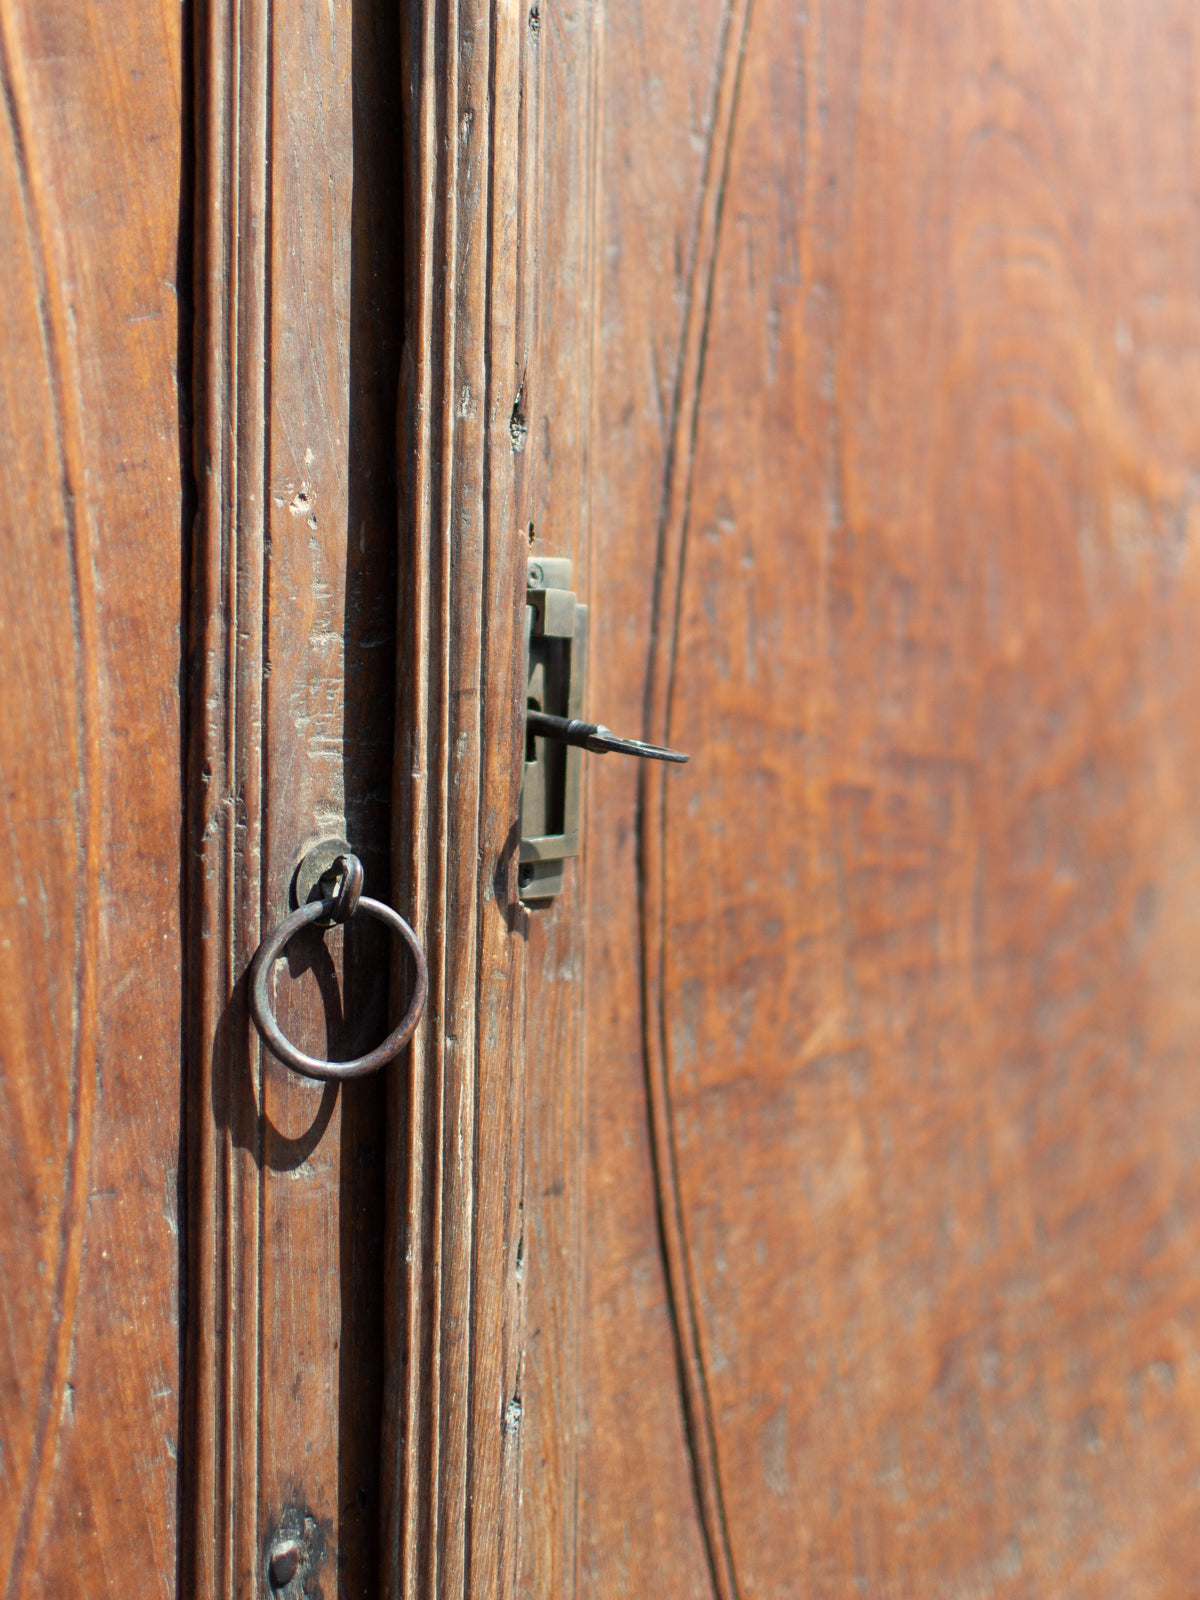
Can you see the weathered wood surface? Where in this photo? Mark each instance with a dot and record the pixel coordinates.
(91, 522)
(453, 1407)
(560, 397)
(840, 1235)
(298, 351)
(891, 1242)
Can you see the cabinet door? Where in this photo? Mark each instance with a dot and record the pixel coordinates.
(887, 1115)
(801, 1199)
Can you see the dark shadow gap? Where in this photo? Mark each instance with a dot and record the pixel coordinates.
(376, 334)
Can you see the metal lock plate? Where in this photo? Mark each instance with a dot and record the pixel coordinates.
(555, 657)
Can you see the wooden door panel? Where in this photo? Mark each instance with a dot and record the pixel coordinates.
(835, 1231)
(638, 1532)
(918, 1017)
(293, 649)
(92, 519)
(451, 1484)
(889, 1001)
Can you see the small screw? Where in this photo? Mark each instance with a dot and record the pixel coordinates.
(536, 576)
(284, 1563)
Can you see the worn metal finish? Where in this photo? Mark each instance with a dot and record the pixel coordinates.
(318, 862)
(329, 867)
(596, 737)
(551, 794)
(315, 913)
(552, 786)
(349, 887)
(296, 1555)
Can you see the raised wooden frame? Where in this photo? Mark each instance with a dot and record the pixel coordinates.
(451, 1312)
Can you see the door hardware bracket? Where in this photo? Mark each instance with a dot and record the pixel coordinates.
(555, 660)
(555, 733)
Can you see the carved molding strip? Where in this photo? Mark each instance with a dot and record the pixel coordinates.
(452, 1417)
(221, 1536)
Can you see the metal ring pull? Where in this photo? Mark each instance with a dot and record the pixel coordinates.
(337, 907)
(345, 902)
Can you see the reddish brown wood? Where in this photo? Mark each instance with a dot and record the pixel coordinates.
(889, 1229)
(560, 397)
(453, 1402)
(90, 527)
(834, 1231)
(299, 261)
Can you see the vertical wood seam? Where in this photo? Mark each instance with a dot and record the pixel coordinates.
(485, 530)
(227, 766)
(404, 1425)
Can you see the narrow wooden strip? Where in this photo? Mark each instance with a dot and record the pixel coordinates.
(559, 257)
(508, 313)
(221, 1553)
(410, 1444)
(443, 1286)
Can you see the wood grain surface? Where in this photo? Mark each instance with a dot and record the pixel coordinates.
(91, 526)
(806, 1202)
(561, 395)
(298, 270)
(890, 1230)
(454, 1410)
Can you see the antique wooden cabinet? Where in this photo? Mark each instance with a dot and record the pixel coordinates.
(803, 1198)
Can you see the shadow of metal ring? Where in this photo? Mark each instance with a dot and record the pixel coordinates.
(272, 947)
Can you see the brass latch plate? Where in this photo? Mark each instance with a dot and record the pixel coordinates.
(556, 652)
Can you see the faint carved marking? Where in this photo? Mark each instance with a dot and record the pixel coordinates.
(54, 1398)
(672, 540)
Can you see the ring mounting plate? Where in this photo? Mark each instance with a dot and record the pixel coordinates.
(316, 863)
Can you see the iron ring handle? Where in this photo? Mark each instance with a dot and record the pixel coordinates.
(272, 948)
